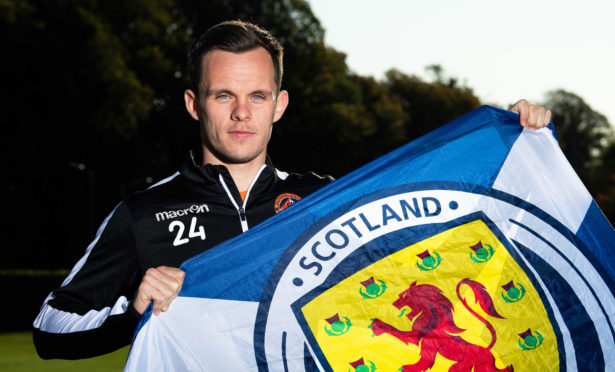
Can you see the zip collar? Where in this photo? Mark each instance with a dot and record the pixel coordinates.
(210, 173)
(219, 175)
(241, 210)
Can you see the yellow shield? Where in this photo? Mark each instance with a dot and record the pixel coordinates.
(341, 318)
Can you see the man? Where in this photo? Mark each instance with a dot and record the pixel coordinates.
(236, 72)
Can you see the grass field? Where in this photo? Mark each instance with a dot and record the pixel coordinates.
(17, 354)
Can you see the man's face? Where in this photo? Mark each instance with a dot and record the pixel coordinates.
(236, 106)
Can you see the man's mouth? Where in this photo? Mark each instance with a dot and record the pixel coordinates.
(240, 133)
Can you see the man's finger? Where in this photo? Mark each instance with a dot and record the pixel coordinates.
(539, 117)
(173, 276)
(162, 306)
(159, 285)
(521, 107)
(173, 272)
(533, 117)
(547, 118)
(170, 278)
(542, 113)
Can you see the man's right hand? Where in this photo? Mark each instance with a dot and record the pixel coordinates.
(160, 285)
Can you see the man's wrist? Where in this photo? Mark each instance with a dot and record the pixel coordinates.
(134, 311)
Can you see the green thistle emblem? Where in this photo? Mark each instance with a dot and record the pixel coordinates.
(337, 326)
(372, 289)
(512, 292)
(530, 340)
(428, 262)
(481, 254)
(361, 366)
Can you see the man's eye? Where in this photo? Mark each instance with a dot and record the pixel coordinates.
(258, 97)
(222, 96)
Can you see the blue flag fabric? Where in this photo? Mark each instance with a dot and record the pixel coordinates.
(475, 246)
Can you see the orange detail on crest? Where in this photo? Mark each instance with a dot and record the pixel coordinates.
(284, 201)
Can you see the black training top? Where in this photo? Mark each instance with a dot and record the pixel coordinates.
(179, 217)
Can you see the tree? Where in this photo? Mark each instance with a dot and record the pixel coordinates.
(583, 133)
(603, 182)
(101, 83)
(429, 105)
(82, 79)
(587, 139)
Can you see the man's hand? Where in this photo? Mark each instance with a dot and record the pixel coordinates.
(161, 285)
(531, 116)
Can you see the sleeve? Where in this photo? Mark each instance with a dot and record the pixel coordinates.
(92, 313)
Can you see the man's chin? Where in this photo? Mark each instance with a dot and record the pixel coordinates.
(237, 159)
(234, 157)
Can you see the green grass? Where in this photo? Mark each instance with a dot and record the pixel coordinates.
(17, 354)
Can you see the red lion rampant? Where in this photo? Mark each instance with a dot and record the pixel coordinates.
(435, 330)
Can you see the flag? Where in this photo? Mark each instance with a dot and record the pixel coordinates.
(475, 246)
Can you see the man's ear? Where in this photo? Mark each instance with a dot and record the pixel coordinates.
(280, 105)
(191, 104)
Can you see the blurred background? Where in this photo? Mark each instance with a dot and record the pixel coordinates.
(92, 105)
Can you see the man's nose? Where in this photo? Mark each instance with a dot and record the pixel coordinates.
(241, 111)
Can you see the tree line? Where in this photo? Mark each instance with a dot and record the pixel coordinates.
(93, 110)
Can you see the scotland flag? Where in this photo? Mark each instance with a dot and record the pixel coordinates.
(473, 248)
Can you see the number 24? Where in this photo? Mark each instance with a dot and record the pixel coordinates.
(193, 233)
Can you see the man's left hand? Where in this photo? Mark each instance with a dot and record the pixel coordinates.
(531, 116)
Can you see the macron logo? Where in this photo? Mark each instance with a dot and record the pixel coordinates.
(193, 209)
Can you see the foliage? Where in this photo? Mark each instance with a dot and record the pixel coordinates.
(602, 182)
(429, 105)
(588, 141)
(582, 132)
(101, 82)
(85, 82)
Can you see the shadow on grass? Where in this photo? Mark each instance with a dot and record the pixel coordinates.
(17, 354)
